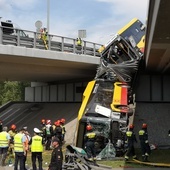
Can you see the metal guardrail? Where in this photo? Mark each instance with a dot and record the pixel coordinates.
(30, 39)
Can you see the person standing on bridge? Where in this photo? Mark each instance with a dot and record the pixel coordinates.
(79, 45)
(130, 140)
(143, 137)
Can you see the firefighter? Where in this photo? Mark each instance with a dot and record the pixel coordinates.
(4, 144)
(63, 128)
(44, 34)
(90, 138)
(36, 143)
(130, 140)
(48, 134)
(100, 50)
(12, 132)
(58, 131)
(143, 137)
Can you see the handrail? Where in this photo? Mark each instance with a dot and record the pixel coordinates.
(31, 39)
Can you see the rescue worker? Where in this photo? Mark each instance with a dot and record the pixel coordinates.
(36, 143)
(48, 134)
(130, 140)
(56, 156)
(4, 144)
(143, 137)
(79, 45)
(0, 125)
(19, 149)
(43, 129)
(101, 48)
(12, 132)
(89, 143)
(26, 143)
(44, 34)
(62, 122)
(58, 131)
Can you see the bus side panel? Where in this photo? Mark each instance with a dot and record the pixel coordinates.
(86, 96)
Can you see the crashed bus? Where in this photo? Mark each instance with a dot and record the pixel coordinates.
(106, 99)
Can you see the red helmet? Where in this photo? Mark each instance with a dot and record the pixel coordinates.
(88, 127)
(13, 127)
(131, 126)
(48, 122)
(43, 121)
(62, 120)
(144, 125)
(57, 123)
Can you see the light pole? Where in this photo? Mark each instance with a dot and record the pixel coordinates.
(48, 16)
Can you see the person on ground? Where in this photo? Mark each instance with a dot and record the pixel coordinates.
(58, 132)
(26, 143)
(12, 132)
(144, 143)
(4, 144)
(130, 140)
(36, 143)
(48, 134)
(63, 128)
(19, 149)
(56, 156)
(90, 138)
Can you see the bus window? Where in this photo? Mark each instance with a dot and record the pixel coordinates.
(136, 29)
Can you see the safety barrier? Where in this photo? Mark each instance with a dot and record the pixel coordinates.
(30, 39)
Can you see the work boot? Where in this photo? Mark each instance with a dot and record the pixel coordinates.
(146, 159)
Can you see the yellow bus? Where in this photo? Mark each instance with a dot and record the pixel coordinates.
(134, 30)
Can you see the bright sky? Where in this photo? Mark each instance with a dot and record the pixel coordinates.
(100, 18)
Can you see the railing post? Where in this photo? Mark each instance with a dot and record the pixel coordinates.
(74, 46)
(94, 49)
(35, 37)
(1, 35)
(18, 37)
(62, 44)
(84, 47)
(49, 41)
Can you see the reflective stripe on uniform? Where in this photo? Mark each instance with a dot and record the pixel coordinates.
(129, 133)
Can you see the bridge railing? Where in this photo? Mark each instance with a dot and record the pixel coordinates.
(30, 39)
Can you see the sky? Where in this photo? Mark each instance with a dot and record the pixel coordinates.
(100, 18)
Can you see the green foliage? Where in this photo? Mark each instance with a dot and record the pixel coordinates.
(12, 91)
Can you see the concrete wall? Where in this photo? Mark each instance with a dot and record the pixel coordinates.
(65, 92)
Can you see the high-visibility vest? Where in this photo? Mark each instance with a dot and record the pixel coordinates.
(18, 144)
(36, 145)
(3, 139)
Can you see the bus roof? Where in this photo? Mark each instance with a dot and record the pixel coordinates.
(127, 25)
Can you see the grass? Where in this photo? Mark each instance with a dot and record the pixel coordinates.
(157, 156)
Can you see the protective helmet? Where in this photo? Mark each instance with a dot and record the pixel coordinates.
(43, 121)
(48, 122)
(62, 120)
(13, 127)
(57, 123)
(144, 125)
(131, 126)
(88, 127)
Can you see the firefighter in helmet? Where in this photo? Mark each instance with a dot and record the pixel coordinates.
(12, 132)
(130, 140)
(58, 131)
(62, 123)
(143, 137)
(90, 138)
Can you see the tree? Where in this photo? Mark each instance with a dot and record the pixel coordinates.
(12, 91)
